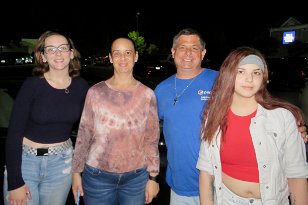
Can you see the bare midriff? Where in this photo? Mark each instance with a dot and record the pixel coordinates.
(241, 188)
(30, 143)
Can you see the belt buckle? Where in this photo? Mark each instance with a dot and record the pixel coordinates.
(42, 152)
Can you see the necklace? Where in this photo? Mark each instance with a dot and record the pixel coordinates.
(177, 96)
(66, 90)
(65, 84)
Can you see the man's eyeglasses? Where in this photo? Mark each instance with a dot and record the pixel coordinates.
(53, 50)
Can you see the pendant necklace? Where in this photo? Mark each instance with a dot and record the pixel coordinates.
(66, 90)
(177, 96)
(58, 85)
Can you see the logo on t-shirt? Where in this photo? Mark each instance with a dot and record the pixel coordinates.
(204, 94)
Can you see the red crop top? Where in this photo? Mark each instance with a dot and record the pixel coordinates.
(238, 157)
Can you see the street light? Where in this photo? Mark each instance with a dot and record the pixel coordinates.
(137, 21)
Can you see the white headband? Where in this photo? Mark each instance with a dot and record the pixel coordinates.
(252, 59)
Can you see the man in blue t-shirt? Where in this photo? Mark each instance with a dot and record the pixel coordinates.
(180, 100)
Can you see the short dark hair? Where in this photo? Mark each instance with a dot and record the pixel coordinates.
(188, 32)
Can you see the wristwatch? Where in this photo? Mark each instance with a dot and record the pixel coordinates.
(155, 178)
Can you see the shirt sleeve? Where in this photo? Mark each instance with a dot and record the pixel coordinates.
(85, 135)
(204, 160)
(152, 134)
(295, 151)
(17, 125)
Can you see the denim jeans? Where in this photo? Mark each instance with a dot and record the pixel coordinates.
(49, 178)
(176, 199)
(108, 188)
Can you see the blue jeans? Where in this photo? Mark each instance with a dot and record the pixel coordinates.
(176, 199)
(108, 188)
(49, 178)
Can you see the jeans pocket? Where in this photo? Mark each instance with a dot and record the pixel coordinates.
(141, 170)
(91, 170)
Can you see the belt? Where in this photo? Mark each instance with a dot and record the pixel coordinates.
(48, 150)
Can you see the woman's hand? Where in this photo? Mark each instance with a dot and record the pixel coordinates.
(151, 191)
(20, 195)
(77, 186)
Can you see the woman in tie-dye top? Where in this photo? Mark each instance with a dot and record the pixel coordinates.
(117, 144)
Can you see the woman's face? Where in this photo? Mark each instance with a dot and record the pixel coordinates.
(248, 81)
(57, 52)
(123, 56)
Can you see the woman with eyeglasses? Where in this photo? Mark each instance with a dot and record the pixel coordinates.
(116, 158)
(38, 147)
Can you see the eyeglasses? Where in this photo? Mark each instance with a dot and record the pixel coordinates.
(53, 50)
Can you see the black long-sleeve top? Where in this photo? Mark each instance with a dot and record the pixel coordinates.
(43, 114)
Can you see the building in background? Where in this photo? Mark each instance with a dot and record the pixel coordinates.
(292, 36)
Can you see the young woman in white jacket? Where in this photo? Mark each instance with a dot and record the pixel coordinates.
(252, 151)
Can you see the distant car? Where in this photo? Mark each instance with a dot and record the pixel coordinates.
(287, 73)
(85, 61)
(158, 67)
(15, 58)
(155, 67)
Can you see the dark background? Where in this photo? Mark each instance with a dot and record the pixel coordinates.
(93, 24)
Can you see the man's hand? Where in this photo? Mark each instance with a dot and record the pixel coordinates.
(303, 130)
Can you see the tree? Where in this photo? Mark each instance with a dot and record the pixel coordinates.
(138, 40)
(152, 49)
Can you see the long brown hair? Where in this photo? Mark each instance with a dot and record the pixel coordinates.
(214, 116)
(40, 67)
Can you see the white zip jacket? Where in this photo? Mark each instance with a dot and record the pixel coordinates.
(280, 152)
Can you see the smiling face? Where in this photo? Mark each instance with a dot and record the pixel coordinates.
(188, 52)
(57, 52)
(248, 81)
(123, 55)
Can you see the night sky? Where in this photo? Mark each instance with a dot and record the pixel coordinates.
(92, 26)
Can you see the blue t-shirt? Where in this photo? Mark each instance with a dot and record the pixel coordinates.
(181, 127)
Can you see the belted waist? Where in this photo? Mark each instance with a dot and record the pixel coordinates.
(45, 151)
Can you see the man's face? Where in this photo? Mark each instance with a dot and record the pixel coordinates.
(188, 53)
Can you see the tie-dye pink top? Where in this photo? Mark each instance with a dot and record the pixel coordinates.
(118, 131)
